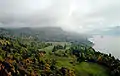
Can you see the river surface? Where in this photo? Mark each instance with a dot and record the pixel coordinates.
(107, 44)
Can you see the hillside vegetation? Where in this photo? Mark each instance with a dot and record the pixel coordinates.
(28, 56)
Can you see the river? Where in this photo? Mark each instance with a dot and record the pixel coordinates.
(107, 44)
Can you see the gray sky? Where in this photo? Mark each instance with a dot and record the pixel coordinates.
(75, 15)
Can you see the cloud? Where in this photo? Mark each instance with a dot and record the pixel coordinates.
(73, 15)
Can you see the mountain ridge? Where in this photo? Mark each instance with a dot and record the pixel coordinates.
(108, 31)
(47, 34)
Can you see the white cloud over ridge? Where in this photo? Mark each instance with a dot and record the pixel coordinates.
(74, 15)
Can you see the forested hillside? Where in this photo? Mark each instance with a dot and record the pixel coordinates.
(25, 53)
(45, 34)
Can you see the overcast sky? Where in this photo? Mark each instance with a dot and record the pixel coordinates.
(75, 15)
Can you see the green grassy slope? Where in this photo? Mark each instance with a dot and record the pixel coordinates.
(81, 69)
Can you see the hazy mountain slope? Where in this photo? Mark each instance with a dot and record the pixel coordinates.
(113, 31)
(107, 31)
(46, 34)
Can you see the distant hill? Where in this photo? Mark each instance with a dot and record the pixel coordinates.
(109, 31)
(113, 31)
(45, 34)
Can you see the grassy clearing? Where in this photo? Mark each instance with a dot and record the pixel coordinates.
(81, 69)
(91, 69)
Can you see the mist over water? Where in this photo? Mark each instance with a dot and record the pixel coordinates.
(107, 44)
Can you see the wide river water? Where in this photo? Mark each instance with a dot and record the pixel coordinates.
(107, 44)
